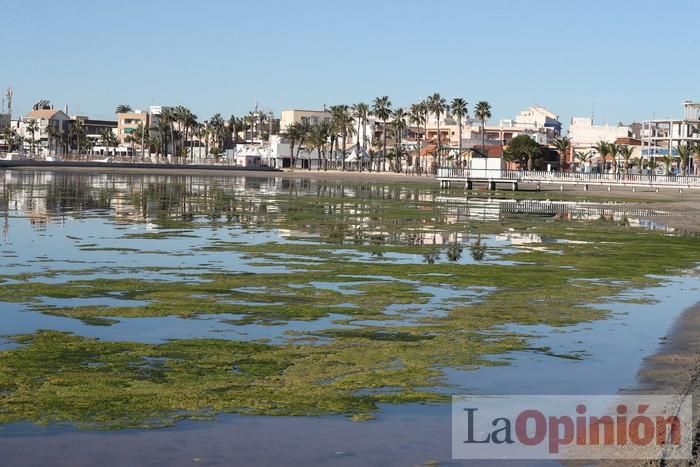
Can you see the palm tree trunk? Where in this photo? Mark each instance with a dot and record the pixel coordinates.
(384, 146)
(459, 153)
(438, 139)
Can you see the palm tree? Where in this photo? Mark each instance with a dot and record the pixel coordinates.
(53, 134)
(78, 132)
(563, 144)
(437, 105)
(626, 154)
(684, 152)
(216, 124)
(417, 116)
(168, 118)
(584, 157)
(345, 125)
(106, 139)
(603, 148)
(381, 108)
(234, 126)
(459, 110)
(696, 154)
(292, 134)
(139, 134)
(317, 140)
(361, 113)
(613, 150)
(482, 111)
(32, 127)
(399, 124)
(668, 161)
(123, 109)
(532, 152)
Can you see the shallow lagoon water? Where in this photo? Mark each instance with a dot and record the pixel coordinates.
(88, 239)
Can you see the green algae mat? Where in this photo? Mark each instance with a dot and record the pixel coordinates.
(287, 297)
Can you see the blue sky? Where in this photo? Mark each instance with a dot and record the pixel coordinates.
(575, 57)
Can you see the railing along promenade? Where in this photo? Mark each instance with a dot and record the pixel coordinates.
(446, 175)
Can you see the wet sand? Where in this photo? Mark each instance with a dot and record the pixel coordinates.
(675, 369)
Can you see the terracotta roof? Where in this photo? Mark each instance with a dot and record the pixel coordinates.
(43, 113)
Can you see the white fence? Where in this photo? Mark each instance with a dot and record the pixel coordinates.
(534, 176)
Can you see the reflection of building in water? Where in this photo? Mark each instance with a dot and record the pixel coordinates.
(519, 238)
(493, 209)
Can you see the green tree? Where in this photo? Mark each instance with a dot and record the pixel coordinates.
(460, 110)
(123, 109)
(523, 150)
(381, 108)
(563, 144)
(482, 111)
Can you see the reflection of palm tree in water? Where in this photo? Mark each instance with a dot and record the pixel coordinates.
(454, 251)
(431, 257)
(478, 250)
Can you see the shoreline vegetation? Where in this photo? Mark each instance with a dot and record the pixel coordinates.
(53, 376)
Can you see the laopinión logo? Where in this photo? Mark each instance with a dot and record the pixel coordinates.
(572, 427)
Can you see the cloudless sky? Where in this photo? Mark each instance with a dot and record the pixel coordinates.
(620, 60)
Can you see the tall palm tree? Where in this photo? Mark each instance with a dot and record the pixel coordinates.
(234, 126)
(140, 134)
(216, 123)
(105, 138)
(344, 123)
(168, 117)
(438, 106)
(684, 152)
(292, 134)
(361, 113)
(53, 134)
(482, 111)
(626, 154)
(381, 108)
(460, 110)
(563, 144)
(78, 132)
(317, 140)
(417, 117)
(123, 109)
(399, 124)
(32, 127)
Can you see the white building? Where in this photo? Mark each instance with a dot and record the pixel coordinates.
(662, 137)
